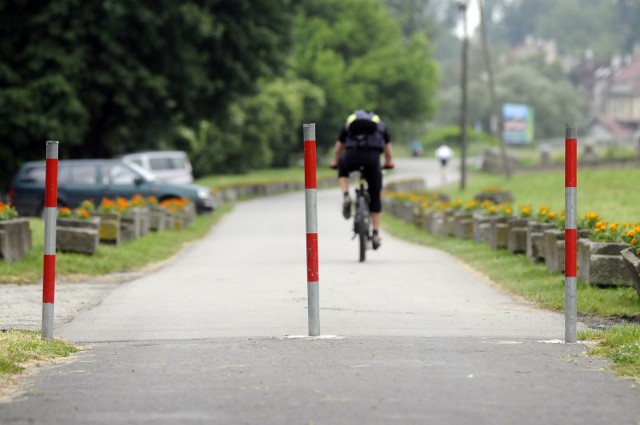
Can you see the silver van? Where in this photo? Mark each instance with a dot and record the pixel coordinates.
(167, 166)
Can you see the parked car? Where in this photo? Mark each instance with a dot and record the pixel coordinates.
(95, 179)
(167, 166)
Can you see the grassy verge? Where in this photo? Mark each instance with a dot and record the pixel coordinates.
(611, 193)
(152, 248)
(20, 348)
(619, 344)
(532, 282)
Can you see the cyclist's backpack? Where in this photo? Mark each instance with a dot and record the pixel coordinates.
(364, 131)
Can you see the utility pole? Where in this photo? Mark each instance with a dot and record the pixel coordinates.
(496, 116)
(462, 6)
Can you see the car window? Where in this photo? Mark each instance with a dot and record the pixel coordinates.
(177, 163)
(38, 174)
(137, 161)
(34, 175)
(64, 174)
(160, 164)
(120, 174)
(84, 174)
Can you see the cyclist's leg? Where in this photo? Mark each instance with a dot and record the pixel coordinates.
(346, 164)
(373, 176)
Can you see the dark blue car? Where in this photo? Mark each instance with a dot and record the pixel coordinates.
(95, 179)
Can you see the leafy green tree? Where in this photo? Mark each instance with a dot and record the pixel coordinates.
(578, 25)
(356, 53)
(555, 102)
(110, 76)
(259, 131)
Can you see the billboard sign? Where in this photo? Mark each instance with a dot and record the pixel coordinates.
(517, 123)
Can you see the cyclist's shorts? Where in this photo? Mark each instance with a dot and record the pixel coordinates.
(352, 160)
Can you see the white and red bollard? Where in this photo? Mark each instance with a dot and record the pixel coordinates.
(310, 189)
(570, 233)
(50, 215)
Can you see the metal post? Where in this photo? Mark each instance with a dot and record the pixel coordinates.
(570, 233)
(50, 214)
(310, 185)
(462, 5)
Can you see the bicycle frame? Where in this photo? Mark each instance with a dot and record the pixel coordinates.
(362, 218)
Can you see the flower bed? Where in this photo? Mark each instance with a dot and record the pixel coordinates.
(77, 231)
(540, 236)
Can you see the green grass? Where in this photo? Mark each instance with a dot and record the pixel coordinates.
(263, 176)
(19, 348)
(152, 248)
(611, 193)
(619, 344)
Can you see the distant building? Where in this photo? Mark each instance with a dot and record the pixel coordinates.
(612, 88)
(533, 46)
(616, 103)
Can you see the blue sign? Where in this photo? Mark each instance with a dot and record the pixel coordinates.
(517, 123)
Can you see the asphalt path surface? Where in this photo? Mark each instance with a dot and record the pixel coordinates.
(411, 336)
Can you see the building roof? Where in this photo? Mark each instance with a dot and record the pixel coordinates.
(616, 128)
(629, 73)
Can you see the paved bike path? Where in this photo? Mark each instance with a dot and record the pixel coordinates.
(410, 336)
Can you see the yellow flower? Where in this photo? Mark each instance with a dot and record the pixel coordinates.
(613, 226)
(551, 215)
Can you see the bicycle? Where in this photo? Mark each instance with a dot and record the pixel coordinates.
(362, 216)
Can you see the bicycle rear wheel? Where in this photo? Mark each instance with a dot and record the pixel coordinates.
(362, 226)
(362, 236)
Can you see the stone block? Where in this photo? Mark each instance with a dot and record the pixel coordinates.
(517, 235)
(498, 232)
(535, 240)
(463, 224)
(77, 239)
(157, 219)
(554, 250)
(481, 228)
(601, 263)
(15, 242)
(438, 225)
(109, 231)
(76, 235)
(129, 230)
(632, 263)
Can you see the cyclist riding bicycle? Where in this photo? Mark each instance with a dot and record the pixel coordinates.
(361, 141)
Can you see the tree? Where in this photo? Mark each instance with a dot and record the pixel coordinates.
(111, 76)
(356, 54)
(555, 102)
(259, 131)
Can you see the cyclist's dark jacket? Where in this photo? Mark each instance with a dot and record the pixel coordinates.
(367, 155)
(374, 141)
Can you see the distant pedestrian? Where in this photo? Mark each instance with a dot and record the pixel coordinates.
(444, 153)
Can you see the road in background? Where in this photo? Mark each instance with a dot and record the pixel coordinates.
(410, 336)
